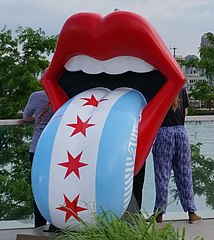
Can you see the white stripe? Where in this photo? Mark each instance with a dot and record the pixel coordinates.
(128, 186)
(128, 193)
(130, 163)
(85, 186)
(128, 178)
(129, 169)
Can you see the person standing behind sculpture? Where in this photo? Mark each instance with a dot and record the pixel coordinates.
(38, 109)
(138, 183)
(171, 150)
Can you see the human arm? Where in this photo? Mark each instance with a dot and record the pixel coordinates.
(28, 119)
(28, 114)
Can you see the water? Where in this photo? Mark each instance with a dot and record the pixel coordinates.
(202, 132)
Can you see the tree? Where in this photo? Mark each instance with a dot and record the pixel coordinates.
(204, 92)
(22, 59)
(15, 187)
(207, 58)
(23, 56)
(192, 63)
(203, 175)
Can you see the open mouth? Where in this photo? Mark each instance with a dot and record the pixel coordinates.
(122, 71)
(134, 55)
(116, 56)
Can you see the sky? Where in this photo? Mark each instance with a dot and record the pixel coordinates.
(180, 23)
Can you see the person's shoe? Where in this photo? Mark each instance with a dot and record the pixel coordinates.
(158, 218)
(194, 218)
(51, 229)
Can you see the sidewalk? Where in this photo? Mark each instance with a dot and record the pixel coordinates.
(203, 229)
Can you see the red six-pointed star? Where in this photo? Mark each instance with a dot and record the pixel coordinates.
(80, 126)
(73, 165)
(92, 101)
(71, 208)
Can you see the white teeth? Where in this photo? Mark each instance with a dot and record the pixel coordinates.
(114, 65)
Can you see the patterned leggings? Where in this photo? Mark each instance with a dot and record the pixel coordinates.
(171, 150)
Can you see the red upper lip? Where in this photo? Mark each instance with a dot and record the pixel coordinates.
(120, 33)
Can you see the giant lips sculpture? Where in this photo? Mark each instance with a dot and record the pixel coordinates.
(110, 82)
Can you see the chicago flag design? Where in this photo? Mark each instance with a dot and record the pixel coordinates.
(84, 161)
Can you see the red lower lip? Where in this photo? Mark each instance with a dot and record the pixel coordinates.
(117, 34)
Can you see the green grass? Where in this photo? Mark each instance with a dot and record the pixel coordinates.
(134, 226)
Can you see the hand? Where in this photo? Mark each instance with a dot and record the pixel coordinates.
(28, 119)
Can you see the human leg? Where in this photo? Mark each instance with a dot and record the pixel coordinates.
(182, 168)
(163, 150)
(138, 185)
(39, 219)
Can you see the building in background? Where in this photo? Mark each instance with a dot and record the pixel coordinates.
(192, 74)
(205, 41)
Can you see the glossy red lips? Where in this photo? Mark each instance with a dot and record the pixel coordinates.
(118, 34)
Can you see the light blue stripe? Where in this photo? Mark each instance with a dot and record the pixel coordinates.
(113, 152)
(42, 161)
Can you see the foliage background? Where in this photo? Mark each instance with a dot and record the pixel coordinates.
(23, 57)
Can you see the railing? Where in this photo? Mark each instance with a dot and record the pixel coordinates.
(12, 122)
(6, 122)
(17, 132)
(200, 118)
